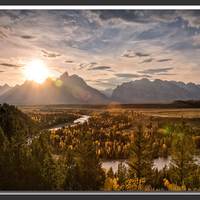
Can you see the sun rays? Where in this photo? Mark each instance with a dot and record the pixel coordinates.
(37, 71)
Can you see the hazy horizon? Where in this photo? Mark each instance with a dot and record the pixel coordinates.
(104, 47)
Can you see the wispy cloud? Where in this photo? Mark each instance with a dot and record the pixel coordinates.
(132, 54)
(27, 37)
(196, 43)
(100, 75)
(104, 38)
(138, 16)
(99, 68)
(85, 65)
(197, 39)
(48, 54)
(124, 75)
(166, 74)
(4, 31)
(147, 60)
(191, 16)
(164, 60)
(154, 71)
(9, 65)
(69, 61)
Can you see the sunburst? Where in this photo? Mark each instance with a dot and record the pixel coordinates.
(37, 71)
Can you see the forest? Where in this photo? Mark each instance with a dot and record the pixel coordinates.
(26, 148)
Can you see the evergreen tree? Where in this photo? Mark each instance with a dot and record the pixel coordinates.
(65, 173)
(182, 164)
(141, 161)
(7, 174)
(43, 165)
(90, 174)
(122, 174)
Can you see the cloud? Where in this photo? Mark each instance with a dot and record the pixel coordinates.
(164, 60)
(74, 45)
(123, 15)
(93, 63)
(102, 83)
(137, 16)
(110, 70)
(2, 35)
(100, 75)
(69, 61)
(9, 65)
(87, 65)
(27, 37)
(49, 55)
(141, 54)
(197, 38)
(4, 29)
(154, 71)
(82, 65)
(123, 75)
(165, 74)
(163, 15)
(191, 16)
(93, 81)
(196, 44)
(147, 60)
(132, 54)
(99, 68)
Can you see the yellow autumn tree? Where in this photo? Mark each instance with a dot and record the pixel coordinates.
(134, 184)
(173, 186)
(164, 150)
(111, 184)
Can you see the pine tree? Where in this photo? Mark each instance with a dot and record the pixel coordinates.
(90, 174)
(182, 164)
(7, 174)
(122, 174)
(65, 173)
(141, 162)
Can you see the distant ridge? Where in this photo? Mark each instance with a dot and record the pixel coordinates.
(5, 88)
(74, 90)
(145, 91)
(108, 92)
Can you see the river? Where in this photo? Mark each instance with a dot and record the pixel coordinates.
(81, 120)
(158, 162)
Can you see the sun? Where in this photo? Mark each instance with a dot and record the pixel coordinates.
(37, 71)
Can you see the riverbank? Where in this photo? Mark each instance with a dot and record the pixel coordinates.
(81, 120)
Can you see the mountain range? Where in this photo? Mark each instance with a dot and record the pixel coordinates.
(64, 90)
(157, 91)
(4, 89)
(74, 90)
(108, 92)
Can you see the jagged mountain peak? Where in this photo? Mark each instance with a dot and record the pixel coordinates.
(64, 75)
(48, 81)
(30, 82)
(6, 85)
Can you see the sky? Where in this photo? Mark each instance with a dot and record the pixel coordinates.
(105, 47)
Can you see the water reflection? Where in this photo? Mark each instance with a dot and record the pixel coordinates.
(81, 120)
(158, 163)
